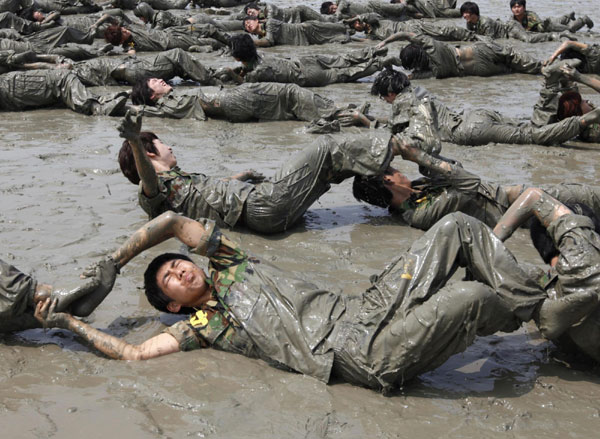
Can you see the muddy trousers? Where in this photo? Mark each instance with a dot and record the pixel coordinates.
(277, 204)
(16, 291)
(411, 321)
(481, 127)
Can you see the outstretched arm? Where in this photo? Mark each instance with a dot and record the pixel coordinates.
(532, 201)
(130, 129)
(398, 36)
(563, 48)
(420, 157)
(113, 347)
(573, 74)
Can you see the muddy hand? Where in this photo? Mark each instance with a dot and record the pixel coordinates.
(45, 313)
(254, 176)
(130, 128)
(104, 273)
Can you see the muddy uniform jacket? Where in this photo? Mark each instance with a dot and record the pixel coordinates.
(417, 113)
(166, 65)
(347, 9)
(304, 34)
(488, 59)
(577, 269)
(408, 322)
(295, 14)
(592, 57)
(275, 204)
(12, 5)
(497, 29)
(533, 23)
(72, 51)
(59, 36)
(16, 291)
(435, 8)
(381, 29)
(9, 20)
(247, 102)
(315, 70)
(68, 6)
(182, 37)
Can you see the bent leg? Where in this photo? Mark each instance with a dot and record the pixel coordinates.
(277, 204)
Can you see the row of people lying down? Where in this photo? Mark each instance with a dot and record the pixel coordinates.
(387, 317)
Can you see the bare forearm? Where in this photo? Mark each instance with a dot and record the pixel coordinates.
(399, 36)
(592, 83)
(262, 43)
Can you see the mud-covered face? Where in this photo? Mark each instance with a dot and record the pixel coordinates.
(399, 185)
(159, 87)
(333, 9)
(183, 282)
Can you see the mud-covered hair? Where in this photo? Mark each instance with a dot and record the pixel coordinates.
(575, 54)
(252, 5)
(141, 94)
(470, 8)
(325, 8)
(371, 190)
(518, 2)
(569, 104)
(157, 298)
(389, 81)
(113, 34)
(243, 47)
(126, 159)
(542, 241)
(414, 57)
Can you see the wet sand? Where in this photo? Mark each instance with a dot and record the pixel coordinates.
(65, 204)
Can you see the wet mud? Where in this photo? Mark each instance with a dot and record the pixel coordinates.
(65, 204)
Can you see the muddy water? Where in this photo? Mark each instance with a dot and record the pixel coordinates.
(64, 204)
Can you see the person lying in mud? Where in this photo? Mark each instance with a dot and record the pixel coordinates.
(425, 57)
(10, 20)
(244, 103)
(419, 116)
(375, 28)
(165, 19)
(262, 205)
(11, 60)
(273, 32)
(566, 237)
(560, 97)
(447, 187)
(129, 70)
(163, 5)
(497, 29)
(530, 21)
(292, 14)
(20, 292)
(306, 71)
(73, 51)
(83, 23)
(26, 90)
(388, 10)
(376, 338)
(193, 37)
(588, 54)
(67, 6)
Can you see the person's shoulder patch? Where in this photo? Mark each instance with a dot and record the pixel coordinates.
(200, 319)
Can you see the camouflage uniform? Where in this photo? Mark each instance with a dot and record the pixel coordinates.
(182, 37)
(58, 36)
(379, 29)
(247, 102)
(304, 34)
(75, 52)
(415, 112)
(533, 23)
(84, 23)
(435, 8)
(156, 4)
(408, 322)
(496, 29)
(294, 14)
(316, 70)
(16, 299)
(9, 20)
(165, 65)
(43, 88)
(488, 59)
(276, 204)
(348, 9)
(165, 19)
(13, 6)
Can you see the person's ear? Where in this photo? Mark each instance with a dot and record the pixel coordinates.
(173, 307)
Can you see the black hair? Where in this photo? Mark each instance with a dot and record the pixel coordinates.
(414, 57)
(127, 160)
(469, 7)
(141, 94)
(575, 54)
(389, 81)
(325, 8)
(371, 190)
(518, 2)
(27, 13)
(243, 47)
(248, 18)
(542, 241)
(252, 5)
(157, 298)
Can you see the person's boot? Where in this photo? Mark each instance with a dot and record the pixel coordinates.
(577, 24)
(554, 317)
(588, 22)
